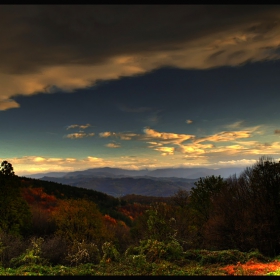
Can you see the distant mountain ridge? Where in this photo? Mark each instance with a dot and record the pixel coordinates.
(118, 182)
(118, 187)
(191, 173)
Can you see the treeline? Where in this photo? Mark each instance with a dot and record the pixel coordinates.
(240, 213)
(69, 225)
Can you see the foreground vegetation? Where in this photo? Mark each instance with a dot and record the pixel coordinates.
(221, 227)
(151, 257)
(190, 263)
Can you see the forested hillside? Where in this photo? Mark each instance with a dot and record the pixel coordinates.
(161, 187)
(53, 224)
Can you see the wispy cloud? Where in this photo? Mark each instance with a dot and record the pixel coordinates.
(234, 125)
(167, 137)
(189, 121)
(239, 162)
(82, 126)
(226, 136)
(79, 135)
(149, 135)
(113, 145)
(120, 135)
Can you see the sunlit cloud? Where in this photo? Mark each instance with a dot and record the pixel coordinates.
(154, 144)
(31, 165)
(127, 136)
(78, 126)
(8, 104)
(64, 58)
(225, 136)
(37, 164)
(78, 135)
(165, 150)
(189, 121)
(106, 134)
(166, 137)
(155, 139)
(239, 162)
(120, 135)
(194, 149)
(277, 131)
(187, 144)
(112, 145)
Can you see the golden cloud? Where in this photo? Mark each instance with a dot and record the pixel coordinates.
(165, 150)
(225, 136)
(106, 134)
(166, 136)
(79, 62)
(78, 135)
(78, 126)
(112, 145)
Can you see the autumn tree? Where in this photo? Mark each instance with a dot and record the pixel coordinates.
(80, 220)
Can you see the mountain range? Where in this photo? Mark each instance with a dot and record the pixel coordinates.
(119, 182)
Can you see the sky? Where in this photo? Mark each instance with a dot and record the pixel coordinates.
(138, 86)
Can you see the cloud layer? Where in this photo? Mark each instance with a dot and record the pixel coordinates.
(49, 47)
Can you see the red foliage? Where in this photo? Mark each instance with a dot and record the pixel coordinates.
(252, 268)
(110, 220)
(36, 196)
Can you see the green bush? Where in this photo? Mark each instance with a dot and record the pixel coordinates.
(110, 253)
(32, 255)
(155, 250)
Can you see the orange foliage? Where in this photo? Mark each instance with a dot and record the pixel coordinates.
(37, 196)
(110, 219)
(80, 220)
(252, 268)
(134, 210)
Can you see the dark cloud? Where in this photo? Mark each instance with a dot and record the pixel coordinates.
(215, 55)
(35, 36)
(277, 131)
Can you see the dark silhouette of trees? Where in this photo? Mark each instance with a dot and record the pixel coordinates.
(15, 216)
(202, 196)
(245, 214)
(7, 168)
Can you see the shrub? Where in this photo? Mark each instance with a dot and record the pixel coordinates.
(11, 247)
(155, 250)
(82, 252)
(110, 253)
(32, 255)
(54, 249)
